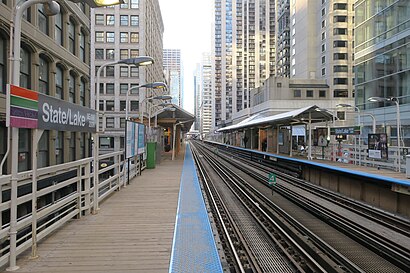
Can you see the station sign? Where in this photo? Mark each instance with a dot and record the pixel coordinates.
(352, 130)
(30, 109)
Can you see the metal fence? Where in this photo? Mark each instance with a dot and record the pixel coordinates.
(62, 192)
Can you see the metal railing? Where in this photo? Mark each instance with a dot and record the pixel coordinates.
(64, 192)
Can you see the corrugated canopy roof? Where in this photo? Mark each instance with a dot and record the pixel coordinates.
(298, 116)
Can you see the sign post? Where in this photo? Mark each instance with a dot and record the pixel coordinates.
(272, 180)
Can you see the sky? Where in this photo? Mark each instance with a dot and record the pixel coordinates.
(188, 26)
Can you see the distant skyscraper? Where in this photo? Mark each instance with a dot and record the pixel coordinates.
(244, 53)
(321, 44)
(173, 73)
(282, 38)
(121, 32)
(206, 95)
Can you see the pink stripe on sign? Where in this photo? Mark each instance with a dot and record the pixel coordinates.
(23, 122)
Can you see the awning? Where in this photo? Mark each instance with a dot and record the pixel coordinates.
(295, 117)
(179, 116)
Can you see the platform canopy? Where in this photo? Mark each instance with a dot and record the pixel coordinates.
(296, 117)
(179, 117)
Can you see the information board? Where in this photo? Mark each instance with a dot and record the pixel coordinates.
(134, 138)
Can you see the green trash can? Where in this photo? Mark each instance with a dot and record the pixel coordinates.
(151, 154)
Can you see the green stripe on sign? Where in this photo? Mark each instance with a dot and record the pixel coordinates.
(17, 101)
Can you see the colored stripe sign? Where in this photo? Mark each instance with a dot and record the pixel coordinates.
(23, 107)
(30, 109)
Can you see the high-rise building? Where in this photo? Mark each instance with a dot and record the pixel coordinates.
(382, 64)
(54, 61)
(282, 38)
(173, 73)
(120, 32)
(203, 95)
(321, 44)
(244, 53)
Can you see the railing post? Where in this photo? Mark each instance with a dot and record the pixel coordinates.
(79, 187)
(87, 188)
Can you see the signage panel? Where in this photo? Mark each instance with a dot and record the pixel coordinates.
(141, 138)
(30, 109)
(353, 130)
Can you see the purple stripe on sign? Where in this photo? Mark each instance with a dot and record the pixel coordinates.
(23, 123)
(24, 113)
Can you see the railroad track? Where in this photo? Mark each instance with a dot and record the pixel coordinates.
(308, 231)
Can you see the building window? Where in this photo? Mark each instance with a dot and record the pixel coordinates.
(297, 93)
(3, 66)
(43, 76)
(82, 92)
(340, 31)
(124, 71)
(340, 81)
(110, 19)
(107, 142)
(134, 4)
(59, 83)
(309, 93)
(134, 72)
(25, 68)
(123, 54)
(123, 88)
(82, 145)
(340, 68)
(134, 53)
(110, 37)
(340, 56)
(59, 148)
(323, 71)
(322, 93)
(339, 43)
(109, 105)
(124, 6)
(99, 19)
(71, 89)
(42, 20)
(340, 19)
(135, 37)
(135, 20)
(58, 31)
(134, 105)
(109, 89)
(124, 37)
(279, 84)
(82, 46)
(124, 20)
(323, 35)
(323, 12)
(341, 115)
(24, 149)
(71, 37)
(109, 122)
(72, 146)
(323, 47)
(99, 36)
(123, 105)
(323, 59)
(109, 54)
(122, 122)
(99, 54)
(109, 71)
(323, 23)
(340, 93)
(43, 159)
(340, 6)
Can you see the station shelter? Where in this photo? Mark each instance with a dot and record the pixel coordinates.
(276, 133)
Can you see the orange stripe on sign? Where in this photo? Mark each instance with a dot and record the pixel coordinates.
(24, 93)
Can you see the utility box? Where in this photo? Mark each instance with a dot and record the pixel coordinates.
(151, 154)
(408, 166)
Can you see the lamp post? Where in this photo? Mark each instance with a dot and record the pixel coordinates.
(139, 61)
(52, 8)
(344, 105)
(396, 101)
(162, 97)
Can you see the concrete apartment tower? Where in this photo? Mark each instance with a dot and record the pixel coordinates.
(205, 105)
(243, 51)
(121, 32)
(382, 63)
(173, 74)
(321, 46)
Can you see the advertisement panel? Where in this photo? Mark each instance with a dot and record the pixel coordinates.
(377, 145)
(141, 138)
(134, 139)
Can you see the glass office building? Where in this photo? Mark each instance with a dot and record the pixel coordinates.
(382, 62)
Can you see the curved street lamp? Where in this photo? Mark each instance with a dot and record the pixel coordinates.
(396, 101)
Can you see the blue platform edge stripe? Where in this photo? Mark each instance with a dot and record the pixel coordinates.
(325, 166)
(193, 246)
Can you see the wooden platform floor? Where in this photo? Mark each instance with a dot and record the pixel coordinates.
(132, 232)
